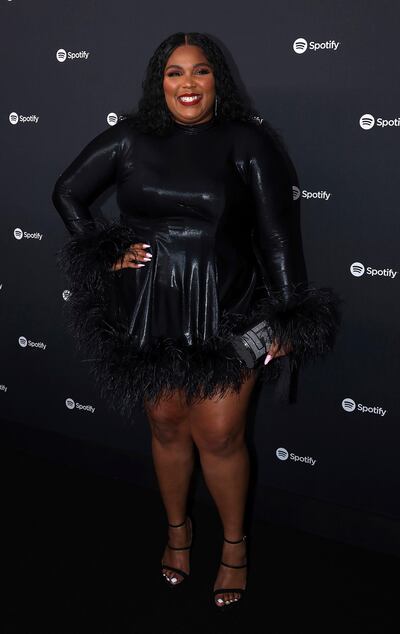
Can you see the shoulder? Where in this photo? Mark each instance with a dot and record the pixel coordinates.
(252, 137)
(117, 133)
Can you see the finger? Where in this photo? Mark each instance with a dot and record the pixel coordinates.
(142, 247)
(134, 265)
(140, 254)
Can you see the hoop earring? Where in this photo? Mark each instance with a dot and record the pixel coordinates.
(216, 105)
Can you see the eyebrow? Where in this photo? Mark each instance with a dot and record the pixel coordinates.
(194, 65)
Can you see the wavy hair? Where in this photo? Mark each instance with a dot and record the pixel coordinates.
(152, 115)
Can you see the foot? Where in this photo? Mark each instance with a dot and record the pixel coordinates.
(234, 554)
(177, 537)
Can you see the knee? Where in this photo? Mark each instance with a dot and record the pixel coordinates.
(167, 429)
(220, 440)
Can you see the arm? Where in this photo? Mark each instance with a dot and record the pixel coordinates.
(94, 245)
(89, 174)
(277, 231)
(304, 319)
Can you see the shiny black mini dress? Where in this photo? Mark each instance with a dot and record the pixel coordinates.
(215, 203)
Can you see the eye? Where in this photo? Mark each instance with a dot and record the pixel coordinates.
(203, 71)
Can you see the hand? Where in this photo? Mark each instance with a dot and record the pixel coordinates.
(136, 252)
(276, 351)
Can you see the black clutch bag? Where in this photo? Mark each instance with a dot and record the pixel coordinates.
(252, 345)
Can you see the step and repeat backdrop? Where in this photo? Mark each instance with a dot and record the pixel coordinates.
(325, 75)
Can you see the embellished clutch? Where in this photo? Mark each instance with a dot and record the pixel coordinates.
(252, 345)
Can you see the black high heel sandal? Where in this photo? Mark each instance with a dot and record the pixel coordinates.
(241, 591)
(184, 574)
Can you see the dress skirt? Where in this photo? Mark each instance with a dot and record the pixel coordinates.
(148, 331)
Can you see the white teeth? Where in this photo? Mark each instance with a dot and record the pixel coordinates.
(189, 99)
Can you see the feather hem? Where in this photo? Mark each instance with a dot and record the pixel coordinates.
(126, 374)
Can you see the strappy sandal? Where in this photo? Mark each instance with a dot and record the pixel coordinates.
(173, 581)
(240, 591)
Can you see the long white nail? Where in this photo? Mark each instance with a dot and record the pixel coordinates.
(268, 359)
(146, 245)
(141, 265)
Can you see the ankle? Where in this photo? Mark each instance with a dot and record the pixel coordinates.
(176, 523)
(234, 539)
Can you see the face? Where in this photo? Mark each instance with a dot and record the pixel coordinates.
(187, 72)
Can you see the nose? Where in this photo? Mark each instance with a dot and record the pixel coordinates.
(188, 81)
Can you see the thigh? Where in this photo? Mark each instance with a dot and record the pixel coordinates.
(222, 415)
(169, 409)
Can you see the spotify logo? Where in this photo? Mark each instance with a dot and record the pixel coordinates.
(357, 269)
(282, 453)
(300, 45)
(15, 118)
(112, 118)
(321, 195)
(348, 405)
(19, 234)
(70, 403)
(61, 55)
(367, 121)
(23, 342)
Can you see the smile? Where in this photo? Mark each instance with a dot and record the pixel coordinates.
(187, 100)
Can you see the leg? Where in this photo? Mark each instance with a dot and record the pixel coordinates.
(218, 427)
(173, 457)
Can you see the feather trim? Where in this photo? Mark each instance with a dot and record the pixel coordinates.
(126, 374)
(308, 321)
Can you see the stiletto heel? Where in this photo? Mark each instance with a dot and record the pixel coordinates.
(173, 581)
(240, 591)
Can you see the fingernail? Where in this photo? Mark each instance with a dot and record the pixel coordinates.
(141, 265)
(147, 245)
(267, 359)
(149, 255)
(146, 259)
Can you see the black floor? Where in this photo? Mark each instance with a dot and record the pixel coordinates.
(81, 554)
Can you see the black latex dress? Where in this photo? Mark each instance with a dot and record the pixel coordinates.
(214, 200)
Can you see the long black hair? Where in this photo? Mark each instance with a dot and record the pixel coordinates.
(152, 114)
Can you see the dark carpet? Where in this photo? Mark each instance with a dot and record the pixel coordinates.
(81, 554)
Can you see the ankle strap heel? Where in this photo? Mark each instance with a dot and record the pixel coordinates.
(182, 573)
(178, 525)
(240, 591)
(243, 539)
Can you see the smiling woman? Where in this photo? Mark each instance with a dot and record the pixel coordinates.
(203, 182)
(189, 85)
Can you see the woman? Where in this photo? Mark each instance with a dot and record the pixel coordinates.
(203, 184)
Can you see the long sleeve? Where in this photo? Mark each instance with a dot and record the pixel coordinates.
(89, 174)
(277, 231)
(303, 318)
(94, 244)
